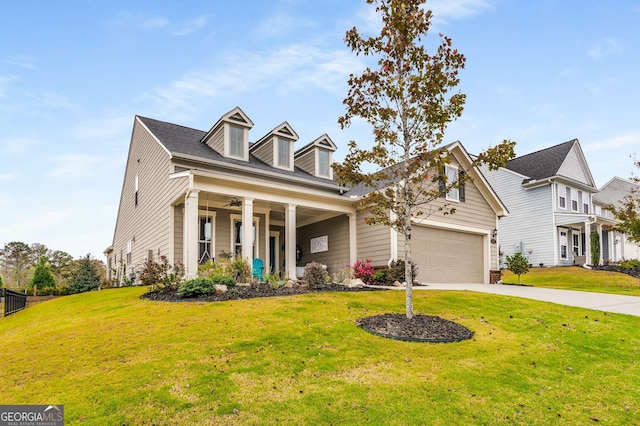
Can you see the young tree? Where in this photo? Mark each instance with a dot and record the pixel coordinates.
(407, 99)
(85, 277)
(518, 264)
(42, 276)
(628, 212)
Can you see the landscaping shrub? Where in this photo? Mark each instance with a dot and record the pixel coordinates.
(363, 270)
(595, 248)
(272, 279)
(518, 264)
(223, 280)
(161, 276)
(196, 287)
(211, 268)
(630, 264)
(395, 271)
(240, 270)
(47, 291)
(379, 277)
(315, 274)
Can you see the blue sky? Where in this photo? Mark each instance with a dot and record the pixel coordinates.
(74, 74)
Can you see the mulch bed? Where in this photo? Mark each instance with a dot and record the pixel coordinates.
(421, 328)
(634, 272)
(253, 291)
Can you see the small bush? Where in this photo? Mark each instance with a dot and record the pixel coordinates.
(85, 277)
(630, 264)
(223, 280)
(396, 272)
(196, 287)
(272, 279)
(47, 291)
(64, 290)
(341, 276)
(240, 270)
(363, 270)
(379, 277)
(162, 276)
(315, 274)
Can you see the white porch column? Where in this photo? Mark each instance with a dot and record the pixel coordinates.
(353, 248)
(247, 230)
(290, 240)
(267, 245)
(190, 227)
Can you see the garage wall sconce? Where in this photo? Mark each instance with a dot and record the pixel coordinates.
(494, 236)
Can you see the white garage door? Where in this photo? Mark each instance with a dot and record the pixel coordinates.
(444, 256)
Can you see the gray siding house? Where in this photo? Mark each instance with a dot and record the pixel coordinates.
(615, 245)
(187, 193)
(550, 195)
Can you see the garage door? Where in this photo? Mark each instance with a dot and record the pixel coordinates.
(444, 256)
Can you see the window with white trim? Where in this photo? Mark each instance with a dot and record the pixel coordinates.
(236, 235)
(574, 200)
(236, 141)
(562, 200)
(129, 250)
(563, 244)
(135, 197)
(284, 152)
(206, 237)
(324, 166)
(452, 177)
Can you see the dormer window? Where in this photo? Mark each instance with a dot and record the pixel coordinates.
(284, 152)
(324, 162)
(236, 141)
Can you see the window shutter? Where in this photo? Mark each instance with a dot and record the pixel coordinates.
(461, 175)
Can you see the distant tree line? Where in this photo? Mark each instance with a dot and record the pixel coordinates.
(23, 266)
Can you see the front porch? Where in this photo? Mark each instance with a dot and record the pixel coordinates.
(573, 235)
(286, 232)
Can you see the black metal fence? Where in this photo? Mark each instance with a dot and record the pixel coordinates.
(13, 301)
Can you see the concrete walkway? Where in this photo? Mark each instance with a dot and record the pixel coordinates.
(629, 305)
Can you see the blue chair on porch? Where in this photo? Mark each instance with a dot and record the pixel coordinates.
(258, 268)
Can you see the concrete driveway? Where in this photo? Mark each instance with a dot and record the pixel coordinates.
(629, 305)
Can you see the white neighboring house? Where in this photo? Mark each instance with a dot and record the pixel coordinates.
(549, 196)
(615, 245)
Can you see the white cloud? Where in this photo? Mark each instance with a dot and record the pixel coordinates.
(17, 146)
(154, 22)
(630, 139)
(74, 165)
(606, 47)
(189, 27)
(5, 80)
(288, 68)
(25, 62)
(446, 10)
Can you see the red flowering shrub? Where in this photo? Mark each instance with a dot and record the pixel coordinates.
(364, 271)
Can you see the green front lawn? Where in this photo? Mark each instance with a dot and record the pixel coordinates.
(112, 358)
(577, 278)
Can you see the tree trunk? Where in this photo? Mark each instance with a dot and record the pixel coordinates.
(408, 276)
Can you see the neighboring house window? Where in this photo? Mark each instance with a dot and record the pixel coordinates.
(323, 162)
(563, 244)
(562, 201)
(452, 178)
(135, 197)
(586, 208)
(129, 250)
(205, 238)
(236, 141)
(284, 152)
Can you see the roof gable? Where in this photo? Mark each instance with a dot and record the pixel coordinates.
(541, 164)
(614, 191)
(285, 130)
(323, 141)
(235, 116)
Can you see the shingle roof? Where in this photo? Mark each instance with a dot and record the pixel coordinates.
(541, 164)
(614, 191)
(185, 140)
